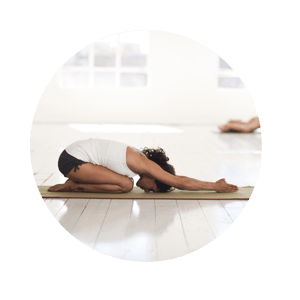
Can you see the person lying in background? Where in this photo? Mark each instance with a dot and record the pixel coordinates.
(239, 126)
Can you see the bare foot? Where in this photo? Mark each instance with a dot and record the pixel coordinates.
(68, 186)
(223, 187)
(227, 126)
(224, 128)
(235, 127)
(55, 188)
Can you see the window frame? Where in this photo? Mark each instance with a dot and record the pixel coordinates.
(91, 69)
(228, 72)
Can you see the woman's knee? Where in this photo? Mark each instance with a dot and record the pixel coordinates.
(127, 185)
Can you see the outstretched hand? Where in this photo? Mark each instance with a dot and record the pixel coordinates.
(223, 187)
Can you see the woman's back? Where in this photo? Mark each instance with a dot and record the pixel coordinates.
(106, 153)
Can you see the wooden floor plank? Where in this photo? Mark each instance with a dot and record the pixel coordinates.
(216, 216)
(233, 207)
(69, 214)
(90, 222)
(141, 235)
(112, 236)
(55, 205)
(171, 242)
(197, 230)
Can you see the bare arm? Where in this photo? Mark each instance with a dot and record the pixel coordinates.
(220, 186)
(182, 182)
(191, 184)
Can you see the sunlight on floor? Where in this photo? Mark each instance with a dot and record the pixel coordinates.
(239, 152)
(63, 212)
(135, 209)
(136, 128)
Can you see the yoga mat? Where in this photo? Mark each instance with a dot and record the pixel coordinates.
(244, 193)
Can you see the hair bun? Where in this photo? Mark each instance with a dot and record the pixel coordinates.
(157, 155)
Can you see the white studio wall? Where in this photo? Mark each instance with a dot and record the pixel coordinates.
(183, 90)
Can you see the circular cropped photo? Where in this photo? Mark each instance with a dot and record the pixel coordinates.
(145, 146)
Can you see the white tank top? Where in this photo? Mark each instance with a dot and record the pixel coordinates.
(106, 153)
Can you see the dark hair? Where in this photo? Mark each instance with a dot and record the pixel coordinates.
(159, 157)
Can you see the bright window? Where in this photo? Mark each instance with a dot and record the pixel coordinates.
(118, 61)
(227, 77)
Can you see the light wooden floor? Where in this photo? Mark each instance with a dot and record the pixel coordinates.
(149, 230)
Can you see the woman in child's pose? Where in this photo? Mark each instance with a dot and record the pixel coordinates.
(104, 166)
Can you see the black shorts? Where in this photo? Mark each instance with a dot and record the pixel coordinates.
(67, 162)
